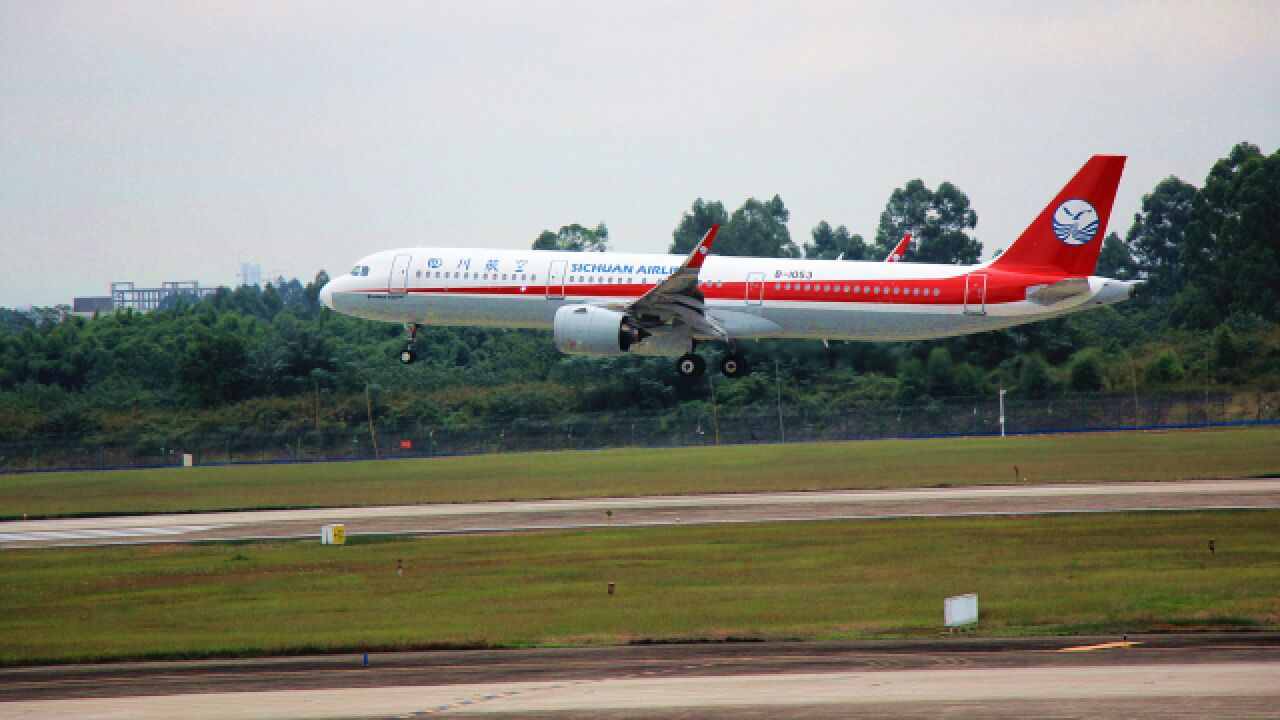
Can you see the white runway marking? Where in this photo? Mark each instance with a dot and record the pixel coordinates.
(99, 533)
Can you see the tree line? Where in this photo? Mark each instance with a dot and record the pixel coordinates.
(257, 357)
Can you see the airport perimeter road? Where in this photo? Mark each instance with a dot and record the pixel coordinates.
(1155, 676)
(641, 511)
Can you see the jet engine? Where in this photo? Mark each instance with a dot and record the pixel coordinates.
(592, 330)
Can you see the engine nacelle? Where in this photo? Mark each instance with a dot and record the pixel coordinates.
(592, 330)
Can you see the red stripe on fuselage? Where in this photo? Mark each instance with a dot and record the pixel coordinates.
(1001, 288)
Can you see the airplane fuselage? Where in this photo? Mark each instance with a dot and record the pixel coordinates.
(748, 297)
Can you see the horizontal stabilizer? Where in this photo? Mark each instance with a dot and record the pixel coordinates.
(1059, 291)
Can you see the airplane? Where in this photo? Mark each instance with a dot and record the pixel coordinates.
(610, 304)
(896, 254)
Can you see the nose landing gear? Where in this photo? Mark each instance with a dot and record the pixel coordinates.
(407, 355)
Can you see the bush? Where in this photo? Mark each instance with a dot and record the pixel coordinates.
(1086, 372)
(1166, 368)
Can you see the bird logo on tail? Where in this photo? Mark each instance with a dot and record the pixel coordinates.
(1075, 222)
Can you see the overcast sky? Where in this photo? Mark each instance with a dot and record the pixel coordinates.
(170, 141)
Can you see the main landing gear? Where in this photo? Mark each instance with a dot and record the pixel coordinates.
(734, 364)
(407, 355)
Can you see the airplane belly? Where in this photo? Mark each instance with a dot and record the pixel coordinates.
(450, 309)
(881, 323)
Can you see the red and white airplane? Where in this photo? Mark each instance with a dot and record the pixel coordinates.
(618, 303)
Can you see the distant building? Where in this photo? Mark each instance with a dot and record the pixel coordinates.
(125, 296)
(87, 306)
(250, 274)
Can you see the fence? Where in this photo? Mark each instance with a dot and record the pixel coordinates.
(759, 424)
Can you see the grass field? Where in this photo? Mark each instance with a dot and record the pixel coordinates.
(1061, 574)
(809, 466)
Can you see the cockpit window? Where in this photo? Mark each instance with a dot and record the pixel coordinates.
(364, 271)
(355, 271)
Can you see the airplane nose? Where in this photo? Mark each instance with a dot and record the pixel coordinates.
(326, 294)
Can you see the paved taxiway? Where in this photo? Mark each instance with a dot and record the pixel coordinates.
(641, 511)
(1156, 676)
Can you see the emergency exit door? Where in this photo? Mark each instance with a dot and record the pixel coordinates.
(975, 294)
(755, 288)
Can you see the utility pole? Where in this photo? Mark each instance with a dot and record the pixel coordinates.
(777, 381)
(715, 413)
(1133, 372)
(373, 436)
(316, 384)
(1002, 391)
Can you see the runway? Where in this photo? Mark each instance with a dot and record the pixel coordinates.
(1153, 676)
(647, 511)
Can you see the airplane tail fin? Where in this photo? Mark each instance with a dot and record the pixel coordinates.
(1067, 235)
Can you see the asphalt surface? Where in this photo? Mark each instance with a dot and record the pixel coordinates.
(1152, 676)
(644, 511)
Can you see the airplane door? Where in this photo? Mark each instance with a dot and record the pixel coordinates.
(975, 294)
(555, 280)
(399, 282)
(755, 288)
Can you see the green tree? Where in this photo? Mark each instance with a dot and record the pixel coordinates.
(757, 229)
(1226, 348)
(830, 243)
(212, 369)
(941, 372)
(695, 224)
(1116, 260)
(1232, 243)
(1034, 378)
(1157, 235)
(940, 222)
(1086, 371)
(575, 238)
(1166, 368)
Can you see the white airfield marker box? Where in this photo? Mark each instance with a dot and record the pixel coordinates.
(961, 610)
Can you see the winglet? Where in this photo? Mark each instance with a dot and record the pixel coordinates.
(703, 248)
(898, 252)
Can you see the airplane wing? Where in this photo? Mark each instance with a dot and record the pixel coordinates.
(900, 250)
(1058, 291)
(677, 297)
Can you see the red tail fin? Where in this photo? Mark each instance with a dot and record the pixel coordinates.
(1067, 236)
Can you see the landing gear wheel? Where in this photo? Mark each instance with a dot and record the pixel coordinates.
(691, 365)
(408, 356)
(735, 365)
